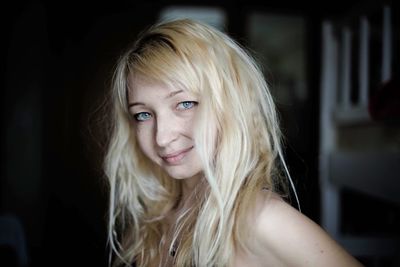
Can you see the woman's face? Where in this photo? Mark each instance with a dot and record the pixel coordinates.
(164, 119)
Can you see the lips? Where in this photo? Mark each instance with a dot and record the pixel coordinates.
(175, 157)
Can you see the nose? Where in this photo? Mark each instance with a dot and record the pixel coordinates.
(166, 130)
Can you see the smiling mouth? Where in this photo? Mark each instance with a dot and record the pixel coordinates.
(176, 157)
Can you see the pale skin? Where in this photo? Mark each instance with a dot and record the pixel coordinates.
(164, 121)
(285, 237)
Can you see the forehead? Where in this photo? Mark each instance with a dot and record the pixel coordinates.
(142, 89)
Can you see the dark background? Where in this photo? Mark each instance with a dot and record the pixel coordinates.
(57, 59)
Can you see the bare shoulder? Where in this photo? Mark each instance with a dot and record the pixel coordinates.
(292, 239)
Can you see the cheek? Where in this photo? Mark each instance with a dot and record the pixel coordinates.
(144, 141)
(188, 127)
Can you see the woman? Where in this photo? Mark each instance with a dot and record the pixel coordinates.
(194, 160)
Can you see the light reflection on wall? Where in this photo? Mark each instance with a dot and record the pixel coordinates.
(211, 15)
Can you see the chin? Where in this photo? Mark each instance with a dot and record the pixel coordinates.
(180, 176)
(183, 174)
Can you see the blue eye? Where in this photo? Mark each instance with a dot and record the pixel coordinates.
(142, 116)
(186, 105)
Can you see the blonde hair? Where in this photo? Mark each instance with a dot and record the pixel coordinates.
(238, 161)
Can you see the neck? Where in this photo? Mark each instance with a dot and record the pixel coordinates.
(190, 187)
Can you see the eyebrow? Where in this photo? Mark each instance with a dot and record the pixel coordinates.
(172, 94)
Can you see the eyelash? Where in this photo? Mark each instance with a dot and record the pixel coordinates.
(180, 106)
(193, 104)
(138, 115)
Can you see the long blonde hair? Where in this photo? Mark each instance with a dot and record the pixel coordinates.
(238, 161)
